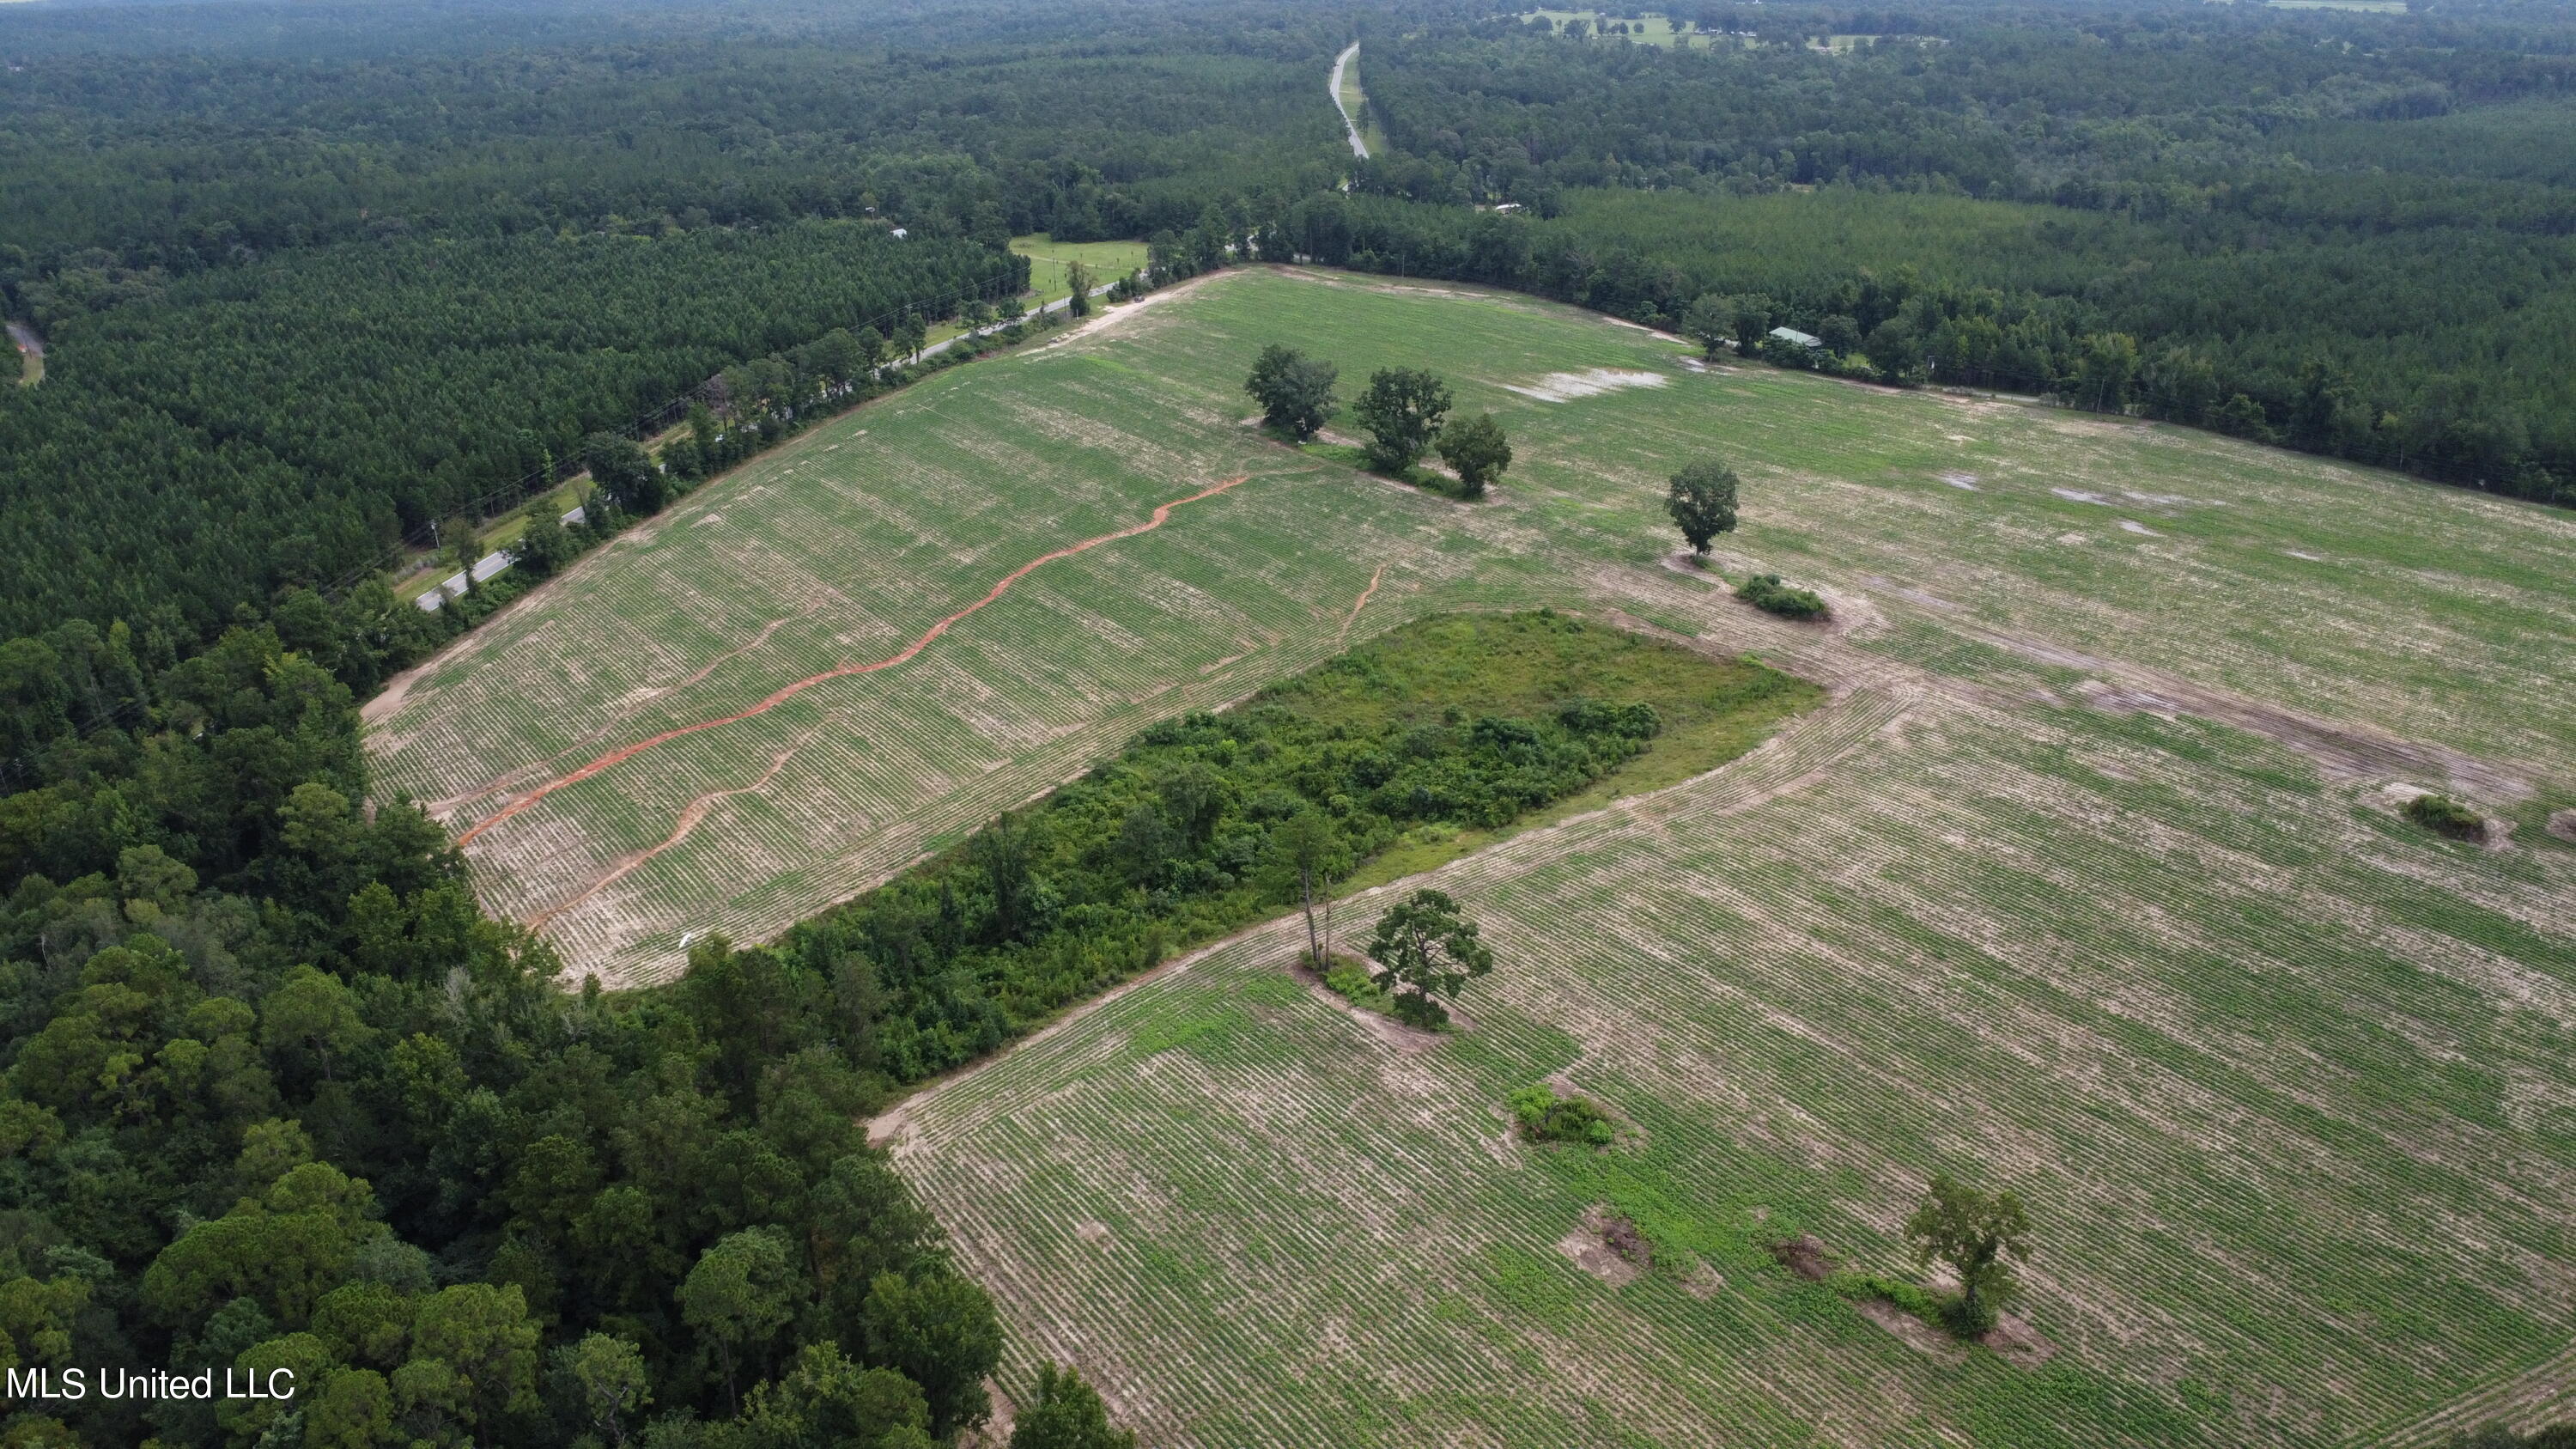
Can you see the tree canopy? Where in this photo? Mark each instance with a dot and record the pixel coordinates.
(1701, 501)
(1401, 409)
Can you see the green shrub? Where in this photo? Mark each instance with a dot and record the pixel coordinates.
(1350, 981)
(1546, 1117)
(2445, 816)
(1768, 593)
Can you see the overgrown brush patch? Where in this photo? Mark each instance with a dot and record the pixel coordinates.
(2445, 816)
(1767, 593)
(1543, 1116)
(1464, 720)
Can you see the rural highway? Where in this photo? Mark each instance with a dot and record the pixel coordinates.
(1342, 62)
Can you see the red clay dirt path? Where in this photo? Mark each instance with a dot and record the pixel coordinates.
(785, 693)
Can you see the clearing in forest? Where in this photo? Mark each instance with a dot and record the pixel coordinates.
(2087, 879)
(1051, 263)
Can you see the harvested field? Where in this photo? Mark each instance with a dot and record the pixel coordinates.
(2084, 880)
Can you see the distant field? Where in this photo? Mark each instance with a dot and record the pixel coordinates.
(1650, 30)
(2086, 879)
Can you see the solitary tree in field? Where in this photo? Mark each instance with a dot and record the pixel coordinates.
(1974, 1232)
(1078, 277)
(1424, 948)
(1702, 503)
(1477, 449)
(1402, 410)
(1710, 322)
(1295, 391)
(1306, 853)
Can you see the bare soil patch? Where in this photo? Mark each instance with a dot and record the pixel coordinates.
(2017, 1342)
(2562, 824)
(1909, 1330)
(2344, 752)
(1805, 1256)
(1607, 1246)
(1592, 382)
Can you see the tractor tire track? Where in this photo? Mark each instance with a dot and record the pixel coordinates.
(504, 780)
(691, 816)
(789, 691)
(1354, 616)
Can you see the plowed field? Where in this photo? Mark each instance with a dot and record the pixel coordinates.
(2088, 880)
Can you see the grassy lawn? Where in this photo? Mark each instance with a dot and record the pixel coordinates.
(1048, 261)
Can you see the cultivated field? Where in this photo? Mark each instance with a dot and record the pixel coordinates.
(2087, 879)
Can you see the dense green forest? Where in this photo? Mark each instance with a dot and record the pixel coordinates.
(306, 305)
(2363, 225)
(283, 421)
(280, 1096)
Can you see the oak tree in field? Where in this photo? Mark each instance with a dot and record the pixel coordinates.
(1702, 503)
(1295, 391)
(1426, 948)
(1078, 277)
(1477, 449)
(1067, 1415)
(1402, 410)
(1974, 1232)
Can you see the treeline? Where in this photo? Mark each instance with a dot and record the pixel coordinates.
(2473, 398)
(278, 1096)
(283, 423)
(302, 305)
